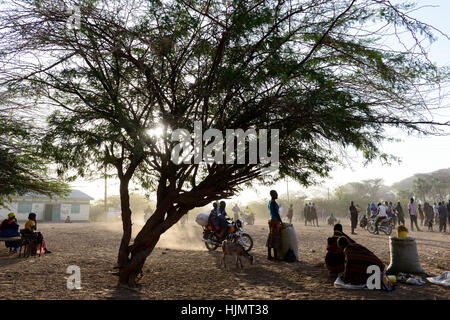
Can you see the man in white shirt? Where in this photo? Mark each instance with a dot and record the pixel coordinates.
(380, 216)
(436, 214)
(413, 214)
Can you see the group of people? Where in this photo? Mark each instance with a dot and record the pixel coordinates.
(428, 215)
(10, 229)
(345, 256)
(437, 214)
(310, 214)
(343, 253)
(218, 220)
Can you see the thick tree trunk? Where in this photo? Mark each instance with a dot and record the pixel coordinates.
(147, 239)
(124, 249)
(130, 272)
(171, 207)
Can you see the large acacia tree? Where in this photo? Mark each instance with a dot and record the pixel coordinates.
(316, 70)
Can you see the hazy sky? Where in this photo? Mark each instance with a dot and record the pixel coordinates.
(418, 155)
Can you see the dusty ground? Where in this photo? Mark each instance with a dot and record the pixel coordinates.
(182, 268)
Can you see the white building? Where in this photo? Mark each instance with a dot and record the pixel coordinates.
(76, 205)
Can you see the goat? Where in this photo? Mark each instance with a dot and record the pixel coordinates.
(235, 249)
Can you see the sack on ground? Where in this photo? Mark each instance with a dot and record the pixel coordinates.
(290, 256)
(404, 256)
(202, 219)
(288, 241)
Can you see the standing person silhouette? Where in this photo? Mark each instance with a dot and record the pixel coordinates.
(274, 238)
(400, 214)
(353, 216)
(236, 211)
(448, 211)
(442, 217)
(290, 214)
(306, 213)
(314, 214)
(413, 214)
(421, 215)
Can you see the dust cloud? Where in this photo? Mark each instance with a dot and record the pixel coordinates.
(183, 237)
(178, 237)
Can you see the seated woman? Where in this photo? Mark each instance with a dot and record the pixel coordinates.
(357, 260)
(31, 225)
(334, 259)
(10, 228)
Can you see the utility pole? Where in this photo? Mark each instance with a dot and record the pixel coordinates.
(287, 188)
(106, 196)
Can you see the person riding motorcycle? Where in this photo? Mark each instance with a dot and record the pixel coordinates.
(373, 210)
(222, 217)
(380, 216)
(213, 219)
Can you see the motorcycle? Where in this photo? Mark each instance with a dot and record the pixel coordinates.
(235, 234)
(386, 225)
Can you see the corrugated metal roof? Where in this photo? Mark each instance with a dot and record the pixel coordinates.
(74, 195)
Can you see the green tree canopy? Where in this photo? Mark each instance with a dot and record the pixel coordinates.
(23, 169)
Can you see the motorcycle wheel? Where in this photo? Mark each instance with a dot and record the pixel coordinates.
(211, 246)
(388, 230)
(371, 227)
(247, 243)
